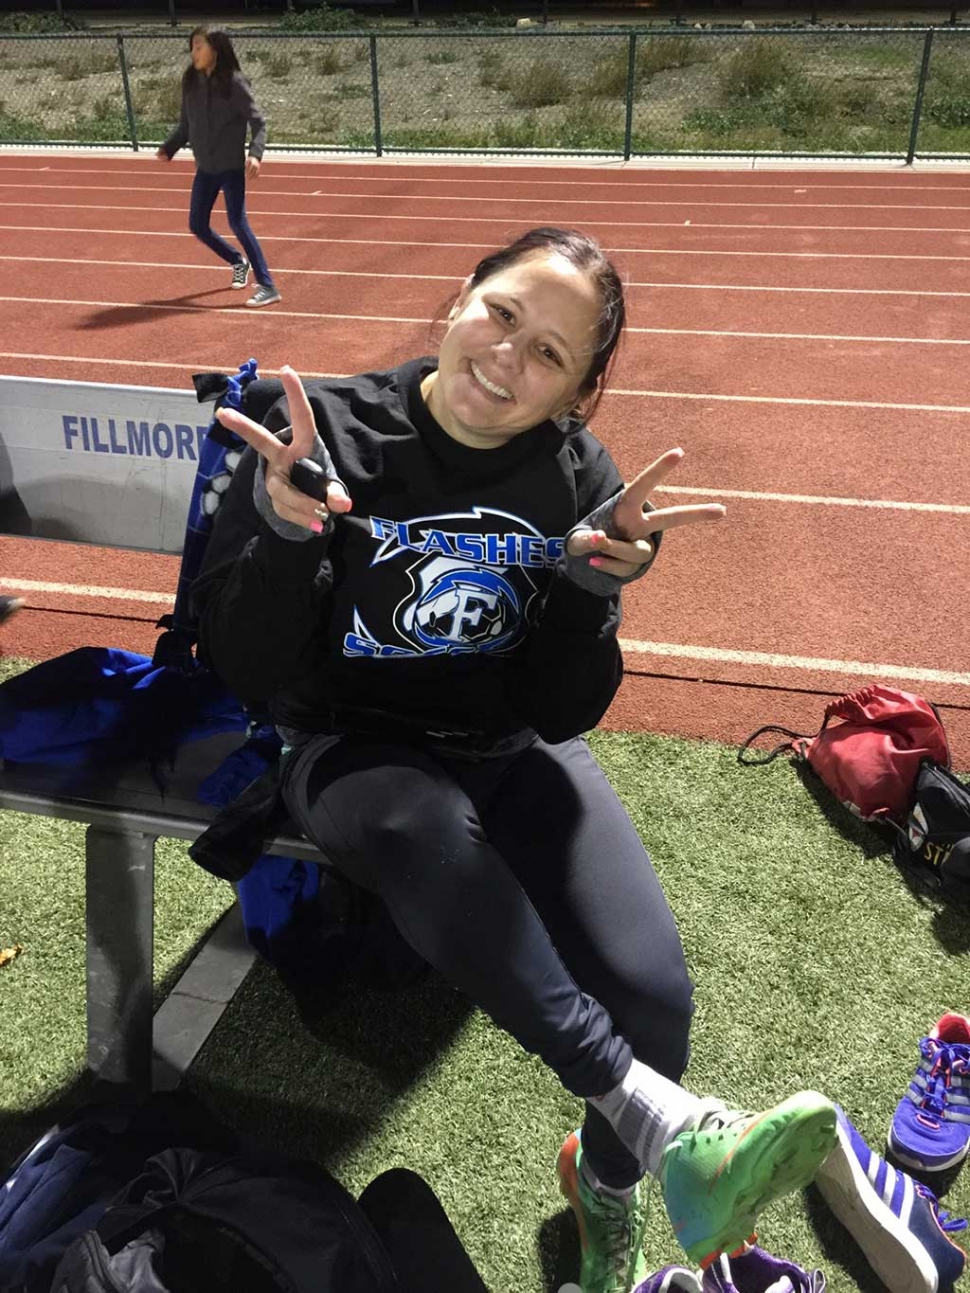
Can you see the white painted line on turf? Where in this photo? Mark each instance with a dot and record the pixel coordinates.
(228, 365)
(771, 660)
(457, 278)
(475, 246)
(238, 312)
(816, 500)
(504, 220)
(87, 590)
(479, 198)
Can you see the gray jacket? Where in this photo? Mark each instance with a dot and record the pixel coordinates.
(216, 126)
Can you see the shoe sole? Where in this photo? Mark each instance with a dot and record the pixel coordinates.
(893, 1251)
(257, 305)
(787, 1158)
(569, 1184)
(920, 1164)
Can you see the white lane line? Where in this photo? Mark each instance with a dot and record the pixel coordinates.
(457, 278)
(230, 365)
(632, 646)
(475, 246)
(784, 400)
(504, 220)
(817, 500)
(771, 660)
(797, 180)
(479, 198)
(200, 366)
(240, 313)
(87, 590)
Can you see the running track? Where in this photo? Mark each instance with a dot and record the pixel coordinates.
(801, 334)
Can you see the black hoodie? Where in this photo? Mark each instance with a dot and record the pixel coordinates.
(435, 601)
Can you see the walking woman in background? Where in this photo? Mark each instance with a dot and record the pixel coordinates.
(217, 108)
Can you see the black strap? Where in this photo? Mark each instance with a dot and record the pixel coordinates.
(771, 754)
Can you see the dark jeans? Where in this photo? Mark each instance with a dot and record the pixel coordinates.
(205, 190)
(524, 883)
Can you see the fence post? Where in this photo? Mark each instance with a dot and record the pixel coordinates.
(376, 96)
(678, 16)
(814, 18)
(415, 14)
(129, 108)
(918, 105)
(171, 13)
(60, 8)
(953, 15)
(631, 77)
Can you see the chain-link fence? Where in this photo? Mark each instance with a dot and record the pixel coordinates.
(892, 92)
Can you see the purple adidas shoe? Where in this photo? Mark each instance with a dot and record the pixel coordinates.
(930, 1129)
(895, 1220)
(755, 1271)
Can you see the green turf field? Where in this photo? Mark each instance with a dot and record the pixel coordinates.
(815, 965)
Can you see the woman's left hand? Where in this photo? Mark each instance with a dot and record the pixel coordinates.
(252, 168)
(624, 555)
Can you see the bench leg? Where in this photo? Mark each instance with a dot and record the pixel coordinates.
(120, 896)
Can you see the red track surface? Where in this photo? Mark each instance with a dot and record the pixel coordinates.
(798, 333)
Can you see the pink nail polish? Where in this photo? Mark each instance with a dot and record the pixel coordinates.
(596, 561)
(317, 527)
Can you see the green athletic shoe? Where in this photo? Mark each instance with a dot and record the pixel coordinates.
(610, 1229)
(717, 1177)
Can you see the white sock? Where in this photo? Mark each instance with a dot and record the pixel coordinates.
(647, 1110)
(595, 1184)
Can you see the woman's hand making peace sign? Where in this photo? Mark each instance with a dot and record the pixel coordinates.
(628, 545)
(289, 503)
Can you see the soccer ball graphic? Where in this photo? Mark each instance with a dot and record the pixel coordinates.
(476, 610)
(217, 486)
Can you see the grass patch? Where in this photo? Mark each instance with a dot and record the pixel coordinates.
(350, 90)
(329, 61)
(18, 129)
(278, 64)
(442, 56)
(795, 925)
(96, 63)
(540, 84)
(160, 97)
(756, 68)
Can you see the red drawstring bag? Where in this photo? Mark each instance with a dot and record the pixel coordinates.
(871, 757)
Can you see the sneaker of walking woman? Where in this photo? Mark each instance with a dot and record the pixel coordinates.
(895, 1220)
(264, 296)
(717, 1176)
(611, 1226)
(931, 1126)
(240, 273)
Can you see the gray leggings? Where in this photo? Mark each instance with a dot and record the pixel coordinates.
(522, 880)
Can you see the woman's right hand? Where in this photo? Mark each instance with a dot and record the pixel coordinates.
(289, 503)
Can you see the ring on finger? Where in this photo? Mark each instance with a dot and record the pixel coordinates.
(321, 511)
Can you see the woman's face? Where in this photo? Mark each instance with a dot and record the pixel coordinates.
(517, 349)
(203, 55)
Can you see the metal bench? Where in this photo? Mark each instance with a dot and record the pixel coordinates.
(135, 496)
(125, 814)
